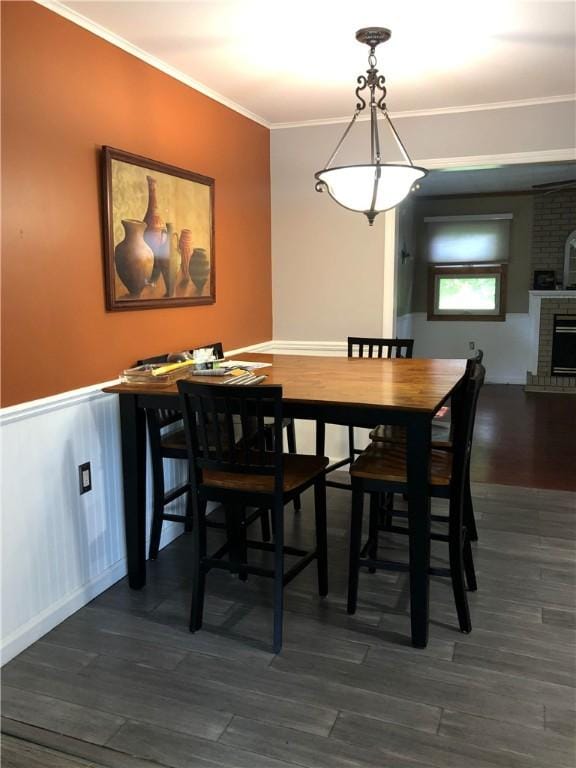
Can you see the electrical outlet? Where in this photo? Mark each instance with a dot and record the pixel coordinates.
(85, 477)
(472, 344)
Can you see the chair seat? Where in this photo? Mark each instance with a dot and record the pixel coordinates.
(392, 433)
(388, 433)
(299, 470)
(387, 462)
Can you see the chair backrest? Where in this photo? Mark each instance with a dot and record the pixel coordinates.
(363, 346)
(162, 417)
(216, 347)
(463, 417)
(159, 418)
(219, 442)
(153, 360)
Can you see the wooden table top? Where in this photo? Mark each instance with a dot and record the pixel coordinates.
(419, 384)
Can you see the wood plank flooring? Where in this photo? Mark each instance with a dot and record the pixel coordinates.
(525, 438)
(123, 684)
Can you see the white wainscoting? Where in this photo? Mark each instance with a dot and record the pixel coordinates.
(506, 346)
(59, 549)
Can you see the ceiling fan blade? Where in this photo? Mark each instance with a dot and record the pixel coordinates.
(549, 184)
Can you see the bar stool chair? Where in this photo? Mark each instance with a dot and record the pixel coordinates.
(396, 434)
(381, 469)
(240, 471)
(168, 441)
(371, 347)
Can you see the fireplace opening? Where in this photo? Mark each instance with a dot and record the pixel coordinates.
(564, 346)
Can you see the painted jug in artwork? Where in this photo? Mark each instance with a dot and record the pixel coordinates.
(155, 234)
(168, 259)
(185, 248)
(199, 269)
(133, 257)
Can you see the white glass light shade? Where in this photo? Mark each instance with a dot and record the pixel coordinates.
(370, 188)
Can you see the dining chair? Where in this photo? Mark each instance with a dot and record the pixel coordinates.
(231, 462)
(381, 469)
(167, 441)
(397, 434)
(369, 347)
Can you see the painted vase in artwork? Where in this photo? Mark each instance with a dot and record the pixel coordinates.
(168, 260)
(133, 257)
(199, 269)
(185, 248)
(155, 234)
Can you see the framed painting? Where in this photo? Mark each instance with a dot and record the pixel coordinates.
(544, 280)
(158, 234)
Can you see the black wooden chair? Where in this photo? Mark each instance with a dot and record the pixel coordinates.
(231, 463)
(396, 434)
(381, 469)
(365, 346)
(167, 441)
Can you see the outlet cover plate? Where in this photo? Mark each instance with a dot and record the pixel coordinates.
(85, 477)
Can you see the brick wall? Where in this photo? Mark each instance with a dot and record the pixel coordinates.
(554, 220)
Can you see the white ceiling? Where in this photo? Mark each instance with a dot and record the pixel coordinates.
(287, 61)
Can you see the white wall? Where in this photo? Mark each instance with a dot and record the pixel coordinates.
(327, 263)
(506, 346)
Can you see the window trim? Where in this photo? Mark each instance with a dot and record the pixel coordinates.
(470, 270)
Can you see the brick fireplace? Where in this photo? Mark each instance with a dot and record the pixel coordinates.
(544, 307)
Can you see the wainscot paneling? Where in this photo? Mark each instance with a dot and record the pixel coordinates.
(61, 549)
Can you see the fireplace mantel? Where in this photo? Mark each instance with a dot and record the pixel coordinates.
(554, 294)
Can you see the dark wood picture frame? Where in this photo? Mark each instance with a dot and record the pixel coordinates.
(544, 280)
(472, 270)
(158, 230)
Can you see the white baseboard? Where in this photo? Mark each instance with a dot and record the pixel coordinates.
(325, 348)
(54, 614)
(57, 612)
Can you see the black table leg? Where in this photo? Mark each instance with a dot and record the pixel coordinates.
(418, 462)
(320, 437)
(133, 432)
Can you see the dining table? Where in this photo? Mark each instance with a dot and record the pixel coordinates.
(358, 392)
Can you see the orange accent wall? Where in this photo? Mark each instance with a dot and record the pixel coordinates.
(65, 93)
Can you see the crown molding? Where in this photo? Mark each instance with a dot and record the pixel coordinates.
(153, 61)
(537, 156)
(536, 102)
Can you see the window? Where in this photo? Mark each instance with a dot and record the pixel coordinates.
(467, 292)
(467, 258)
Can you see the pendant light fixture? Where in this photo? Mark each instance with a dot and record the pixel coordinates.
(376, 186)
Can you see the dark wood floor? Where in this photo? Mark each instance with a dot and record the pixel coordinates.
(525, 438)
(123, 684)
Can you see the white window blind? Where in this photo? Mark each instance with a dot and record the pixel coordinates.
(467, 239)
